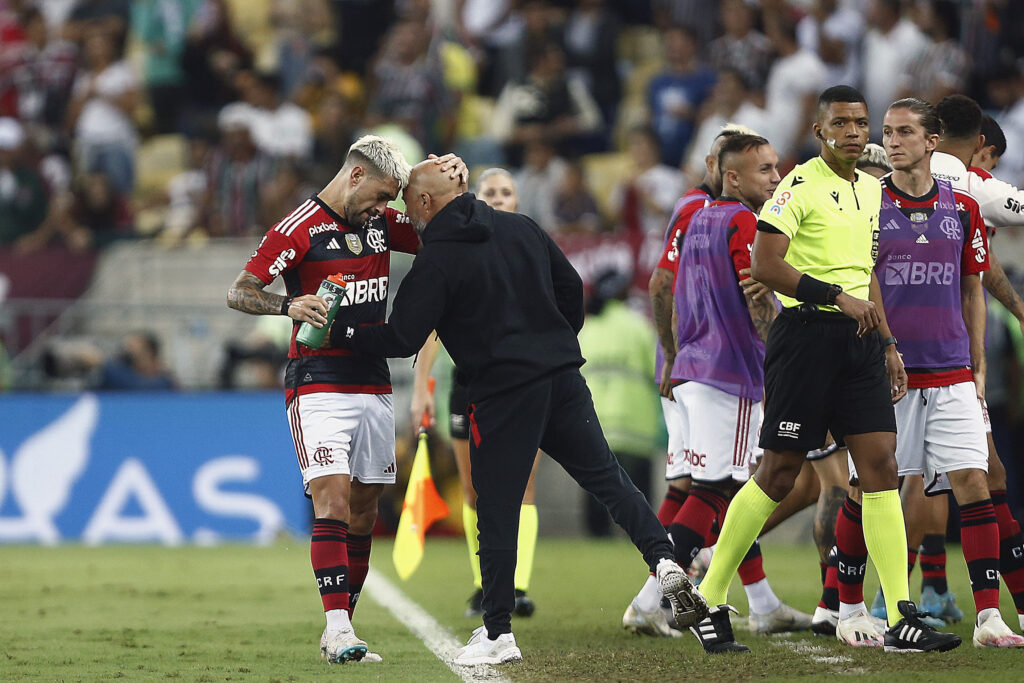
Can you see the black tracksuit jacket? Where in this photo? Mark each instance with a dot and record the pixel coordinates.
(502, 296)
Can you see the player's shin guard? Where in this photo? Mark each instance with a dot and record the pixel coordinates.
(851, 553)
(751, 508)
(472, 542)
(691, 527)
(674, 499)
(359, 566)
(1011, 549)
(328, 551)
(527, 546)
(979, 535)
(885, 536)
(933, 563)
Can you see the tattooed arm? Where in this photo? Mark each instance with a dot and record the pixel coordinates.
(247, 295)
(660, 290)
(998, 285)
(762, 313)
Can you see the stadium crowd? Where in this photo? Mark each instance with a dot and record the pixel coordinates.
(213, 117)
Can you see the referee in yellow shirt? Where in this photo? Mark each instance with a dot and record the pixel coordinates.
(830, 365)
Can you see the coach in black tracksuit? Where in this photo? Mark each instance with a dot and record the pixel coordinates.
(507, 306)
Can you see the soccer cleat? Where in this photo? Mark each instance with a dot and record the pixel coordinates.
(911, 634)
(371, 658)
(482, 650)
(824, 621)
(1020, 619)
(859, 630)
(341, 646)
(993, 631)
(782, 619)
(940, 605)
(654, 624)
(715, 632)
(476, 604)
(688, 605)
(699, 567)
(524, 605)
(878, 606)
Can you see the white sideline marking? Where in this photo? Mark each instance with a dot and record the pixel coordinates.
(819, 654)
(435, 637)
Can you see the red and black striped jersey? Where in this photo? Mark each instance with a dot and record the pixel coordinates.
(307, 246)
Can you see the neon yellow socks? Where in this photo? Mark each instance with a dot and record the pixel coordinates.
(886, 538)
(527, 546)
(748, 512)
(472, 542)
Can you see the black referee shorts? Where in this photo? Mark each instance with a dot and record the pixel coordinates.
(820, 376)
(458, 404)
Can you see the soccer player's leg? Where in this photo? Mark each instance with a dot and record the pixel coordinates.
(958, 448)
(458, 430)
(833, 477)
(322, 427)
(936, 597)
(1011, 538)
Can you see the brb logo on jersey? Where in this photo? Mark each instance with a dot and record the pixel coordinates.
(363, 291)
(919, 273)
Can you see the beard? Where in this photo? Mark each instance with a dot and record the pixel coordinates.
(418, 225)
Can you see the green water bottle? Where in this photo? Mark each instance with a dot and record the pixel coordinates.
(332, 290)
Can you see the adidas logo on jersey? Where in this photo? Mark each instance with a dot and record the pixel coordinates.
(333, 244)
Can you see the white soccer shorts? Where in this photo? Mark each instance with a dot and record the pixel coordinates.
(351, 434)
(676, 466)
(939, 430)
(721, 432)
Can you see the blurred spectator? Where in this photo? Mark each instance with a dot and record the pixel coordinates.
(279, 129)
(111, 16)
(741, 48)
(1006, 88)
(236, 174)
(676, 93)
(617, 344)
(213, 57)
(161, 26)
(591, 35)
(137, 367)
(360, 26)
(731, 101)
(833, 30)
(22, 194)
(36, 75)
(890, 45)
(537, 183)
(489, 27)
(696, 14)
(575, 208)
(536, 25)
(796, 79)
(547, 106)
(943, 66)
(289, 188)
(409, 85)
(301, 27)
(337, 123)
(645, 200)
(103, 102)
(185, 192)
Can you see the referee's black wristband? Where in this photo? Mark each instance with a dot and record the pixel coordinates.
(814, 291)
(285, 304)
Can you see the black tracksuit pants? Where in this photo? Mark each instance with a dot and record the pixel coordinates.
(555, 413)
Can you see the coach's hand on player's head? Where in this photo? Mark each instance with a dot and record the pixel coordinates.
(897, 373)
(860, 310)
(454, 166)
(309, 308)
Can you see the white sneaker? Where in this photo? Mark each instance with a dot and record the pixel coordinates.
(993, 632)
(688, 605)
(859, 630)
(482, 650)
(642, 623)
(824, 621)
(780, 620)
(341, 646)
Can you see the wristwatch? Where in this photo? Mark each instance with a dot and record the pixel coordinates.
(888, 341)
(834, 290)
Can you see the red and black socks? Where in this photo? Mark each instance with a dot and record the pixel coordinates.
(359, 566)
(328, 551)
(979, 535)
(674, 499)
(691, 527)
(851, 553)
(933, 563)
(1011, 549)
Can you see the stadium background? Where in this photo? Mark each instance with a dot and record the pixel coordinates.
(157, 140)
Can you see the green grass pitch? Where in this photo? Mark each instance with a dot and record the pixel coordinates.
(252, 614)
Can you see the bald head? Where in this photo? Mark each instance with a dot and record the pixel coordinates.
(430, 189)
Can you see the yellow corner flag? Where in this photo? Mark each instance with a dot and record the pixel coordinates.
(422, 507)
